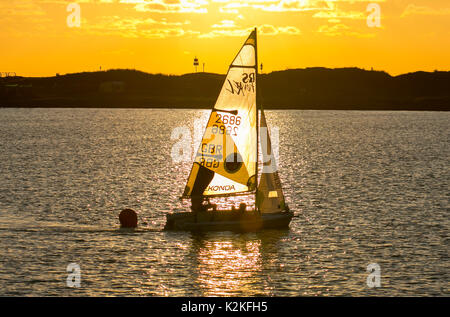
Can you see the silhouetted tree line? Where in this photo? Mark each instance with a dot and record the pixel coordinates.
(311, 88)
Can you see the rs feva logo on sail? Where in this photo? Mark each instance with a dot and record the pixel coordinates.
(246, 85)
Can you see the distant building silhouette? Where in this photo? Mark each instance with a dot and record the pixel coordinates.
(195, 63)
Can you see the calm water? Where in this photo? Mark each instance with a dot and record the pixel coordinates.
(367, 187)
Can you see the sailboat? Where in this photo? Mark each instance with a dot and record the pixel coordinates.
(226, 163)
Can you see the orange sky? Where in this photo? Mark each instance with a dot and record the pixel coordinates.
(163, 36)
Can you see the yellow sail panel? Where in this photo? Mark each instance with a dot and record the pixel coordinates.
(219, 153)
(250, 41)
(269, 197)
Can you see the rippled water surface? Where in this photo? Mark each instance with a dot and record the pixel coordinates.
(366, 187)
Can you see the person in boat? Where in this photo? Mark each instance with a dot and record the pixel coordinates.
(241, 209)
(197, 204)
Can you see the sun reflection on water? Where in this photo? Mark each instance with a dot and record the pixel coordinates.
(234, 265)
(225, 267)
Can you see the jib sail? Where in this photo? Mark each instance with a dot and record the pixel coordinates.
(269, 196)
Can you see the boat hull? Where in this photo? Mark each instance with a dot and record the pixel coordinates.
(227, 221)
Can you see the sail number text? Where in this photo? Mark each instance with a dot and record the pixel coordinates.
(232, 122)
(211, 154)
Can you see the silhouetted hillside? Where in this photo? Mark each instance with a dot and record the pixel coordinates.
(311, 88)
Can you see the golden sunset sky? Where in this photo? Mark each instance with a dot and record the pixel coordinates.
(163, 36)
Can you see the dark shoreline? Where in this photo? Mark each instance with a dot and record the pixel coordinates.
(302, 89)
(398, 109)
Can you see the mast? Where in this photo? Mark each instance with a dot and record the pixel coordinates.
(257, 113)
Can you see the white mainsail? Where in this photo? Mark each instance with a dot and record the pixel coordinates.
(226, 161)
(269, 195)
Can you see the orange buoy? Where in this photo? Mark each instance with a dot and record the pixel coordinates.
(128, 218)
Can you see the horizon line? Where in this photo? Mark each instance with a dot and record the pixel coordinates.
(182, 74)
